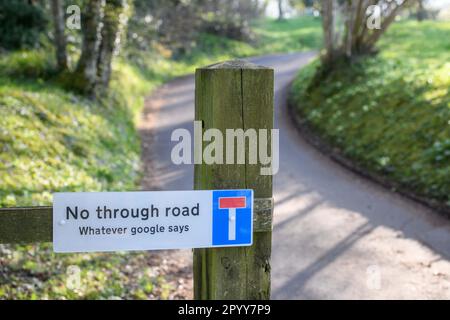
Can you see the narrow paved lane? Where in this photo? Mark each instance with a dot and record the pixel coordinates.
(336, 235)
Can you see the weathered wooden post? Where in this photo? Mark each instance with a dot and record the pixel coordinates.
(235, 95)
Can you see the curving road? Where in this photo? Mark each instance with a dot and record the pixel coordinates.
(336, 235)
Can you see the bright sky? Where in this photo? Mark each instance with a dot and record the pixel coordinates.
(272, 8)
(440, 3)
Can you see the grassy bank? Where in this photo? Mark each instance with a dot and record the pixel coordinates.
(389, 113)
(54, 140)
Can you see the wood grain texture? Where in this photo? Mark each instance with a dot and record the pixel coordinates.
(234, 95)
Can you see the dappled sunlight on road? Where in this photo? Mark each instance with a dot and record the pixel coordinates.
(336, 235)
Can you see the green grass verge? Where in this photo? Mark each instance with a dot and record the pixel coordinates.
(389, 113)
(54, 140)
(290, 35)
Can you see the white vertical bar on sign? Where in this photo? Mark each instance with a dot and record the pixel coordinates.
(232, 224)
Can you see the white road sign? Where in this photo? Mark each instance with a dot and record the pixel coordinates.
(121, 221)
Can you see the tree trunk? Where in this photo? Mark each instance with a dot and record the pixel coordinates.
(86, 71)
(110, 40)
(375, 36)
(350, 7)
(361, 29)
(358, 38)
(421, 10)
(60, 39)
(280, 10)
(328, 28)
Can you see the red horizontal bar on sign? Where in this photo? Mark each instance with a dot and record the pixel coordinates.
(232, 202)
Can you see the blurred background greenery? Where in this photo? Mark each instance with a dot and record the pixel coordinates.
(68, 119)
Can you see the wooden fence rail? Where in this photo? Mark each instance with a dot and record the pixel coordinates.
(34, 224)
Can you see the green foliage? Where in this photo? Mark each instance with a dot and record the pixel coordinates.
(54, 140)
(273, 36)
(229, 18)
(21, 23)
(289, 35)
(389, 113)
(27, 64)
(177, 24)
(101, 275)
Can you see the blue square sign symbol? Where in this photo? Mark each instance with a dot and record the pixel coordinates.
(232, 217)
